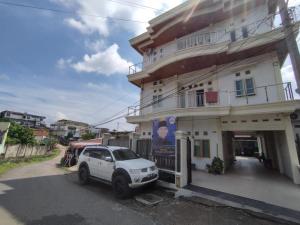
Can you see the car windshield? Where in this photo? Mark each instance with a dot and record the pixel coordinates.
(124, 154)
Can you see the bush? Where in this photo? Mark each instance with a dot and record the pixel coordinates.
(18, 134)
(216, 167)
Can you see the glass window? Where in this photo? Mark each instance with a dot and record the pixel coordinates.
(202, 148)
(233, 36)
(250, 86)
(239, 88)
(124, 154)
(245, 32)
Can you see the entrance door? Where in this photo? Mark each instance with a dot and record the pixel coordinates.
(199, 98)
(189, 161)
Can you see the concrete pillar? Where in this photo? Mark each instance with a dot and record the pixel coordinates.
(105, 138)
(133, 137)
(181, 171)
(289, 132)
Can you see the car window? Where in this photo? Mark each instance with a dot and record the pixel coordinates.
(99, 153)
(87, 152)
(124, 154)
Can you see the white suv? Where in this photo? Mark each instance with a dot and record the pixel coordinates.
(119, 166)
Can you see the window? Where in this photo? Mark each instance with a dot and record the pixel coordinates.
(233, 36)
(239, 88)
(157, 101)
(124, 154)
(245, 32)
(244, 87)
(202, 148)
(250, 86)
(200, 98)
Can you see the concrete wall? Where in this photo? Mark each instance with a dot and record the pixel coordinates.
(221, 32)
(263, 69)
(13, 151)
(281, 143)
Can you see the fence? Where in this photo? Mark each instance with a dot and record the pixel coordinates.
(17, 151)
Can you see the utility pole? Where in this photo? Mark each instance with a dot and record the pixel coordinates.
(290, 40)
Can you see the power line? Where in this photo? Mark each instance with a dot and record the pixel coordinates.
(175, 89)
(135, 5)
(67, 12)
(229, 65)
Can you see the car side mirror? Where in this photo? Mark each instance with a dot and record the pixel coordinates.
(108, 159)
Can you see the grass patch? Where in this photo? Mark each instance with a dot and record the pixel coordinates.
(8, 164)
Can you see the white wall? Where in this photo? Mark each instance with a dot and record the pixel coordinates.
(210, 126)
(252, 19)
(264, 70)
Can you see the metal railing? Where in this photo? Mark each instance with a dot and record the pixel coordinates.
(202, 38)
(185, 99)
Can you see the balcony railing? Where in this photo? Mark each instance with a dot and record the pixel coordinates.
(200, 99)
(202, 38)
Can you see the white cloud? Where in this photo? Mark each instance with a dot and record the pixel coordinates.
(60, 116)
(63, 63)
(87, 22)
(92, 107)
(105, 62)
(4, 77)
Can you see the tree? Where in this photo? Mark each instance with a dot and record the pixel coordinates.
(18, 134)
(88, 136)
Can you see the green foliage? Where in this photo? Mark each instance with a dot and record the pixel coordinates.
(50, 142)
(69, 136)
(18, 134)
(88, 136)
(8, 164)
(216, 167)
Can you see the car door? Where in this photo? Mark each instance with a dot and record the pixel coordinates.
(106, 167)
(94, 162)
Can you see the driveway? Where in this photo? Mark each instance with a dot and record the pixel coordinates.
(42, 194)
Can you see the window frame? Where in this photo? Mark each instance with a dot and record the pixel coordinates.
(245, 90)
(202, 143)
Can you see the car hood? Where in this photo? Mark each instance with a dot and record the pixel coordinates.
(136, 163)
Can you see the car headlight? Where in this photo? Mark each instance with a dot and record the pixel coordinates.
(152, 168)
(134, 171)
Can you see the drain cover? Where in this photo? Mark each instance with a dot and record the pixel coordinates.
(148, 199)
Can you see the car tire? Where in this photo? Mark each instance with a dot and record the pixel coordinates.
(121, 187)
(153, 184)
(84, 175)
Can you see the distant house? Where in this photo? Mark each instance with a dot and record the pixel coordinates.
(63, 128)
(41, 133)
(4, 126)
(24, 119)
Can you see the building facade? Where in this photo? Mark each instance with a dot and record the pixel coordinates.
(64, 128)
(214, 68)
(24, 119)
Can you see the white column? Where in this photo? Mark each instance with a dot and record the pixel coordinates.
(181, 171)
(292, 150)
(133, 137)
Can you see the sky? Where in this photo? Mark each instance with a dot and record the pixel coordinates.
(74, 66)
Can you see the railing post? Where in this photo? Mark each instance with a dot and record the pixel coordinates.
(291, 91)
(266, 91)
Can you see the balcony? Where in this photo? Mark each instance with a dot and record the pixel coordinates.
(201, 49)
(274, 98)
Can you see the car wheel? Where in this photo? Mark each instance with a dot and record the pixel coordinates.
(153, 184)
(121, 187)
(83, 175)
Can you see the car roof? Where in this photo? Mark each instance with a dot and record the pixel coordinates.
(111, 148)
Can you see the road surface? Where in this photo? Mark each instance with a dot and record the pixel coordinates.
(42, 194)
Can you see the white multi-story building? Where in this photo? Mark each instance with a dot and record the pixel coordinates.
(63, 128)
(24, 119)
(215, 66)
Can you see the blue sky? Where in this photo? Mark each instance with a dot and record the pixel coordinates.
(73, 66)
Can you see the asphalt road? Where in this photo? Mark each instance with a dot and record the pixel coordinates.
(42, 194)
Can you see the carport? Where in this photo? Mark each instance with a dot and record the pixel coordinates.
(272, 180)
